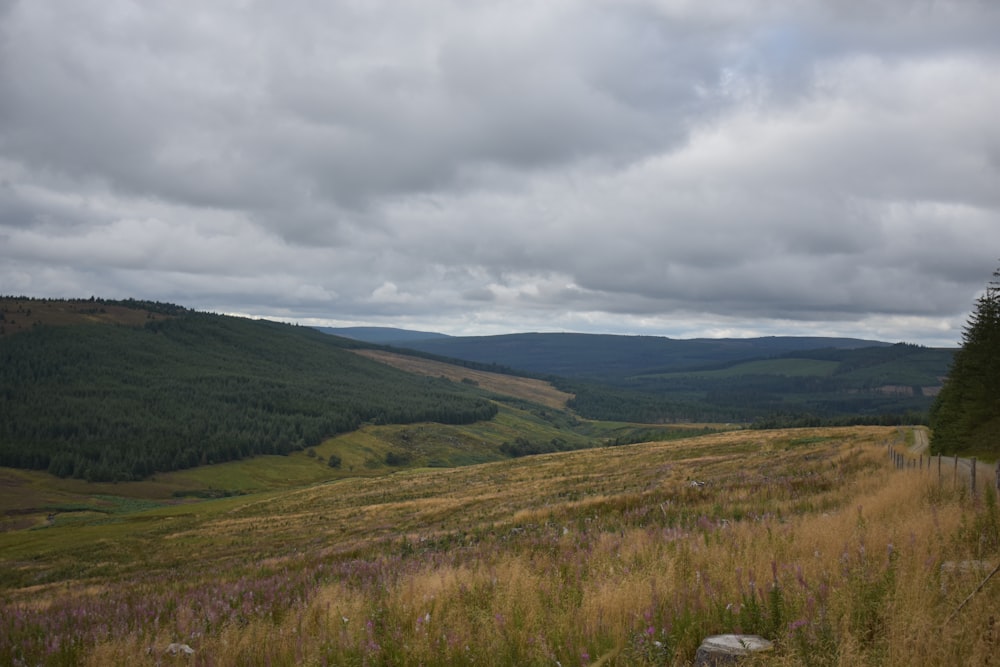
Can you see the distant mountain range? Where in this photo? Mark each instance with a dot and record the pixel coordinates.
(597, 355)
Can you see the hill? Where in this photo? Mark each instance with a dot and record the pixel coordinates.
(115, 391)
(167, 388)
(118, 390)
(768, 381)
(604, 356)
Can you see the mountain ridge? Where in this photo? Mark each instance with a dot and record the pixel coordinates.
(600, 355)
(381, 335)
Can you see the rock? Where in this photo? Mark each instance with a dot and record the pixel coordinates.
(182, 649)
(728, 649)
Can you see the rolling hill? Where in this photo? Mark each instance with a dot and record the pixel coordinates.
(114, 391)
(119, 390)
(166, 389)
(773, 380)
(605, 356)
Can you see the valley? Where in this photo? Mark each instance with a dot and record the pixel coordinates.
(518, 532)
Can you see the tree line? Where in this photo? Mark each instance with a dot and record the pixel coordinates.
(966, 414)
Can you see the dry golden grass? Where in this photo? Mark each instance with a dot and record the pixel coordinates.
(612, 557)
(536, 391)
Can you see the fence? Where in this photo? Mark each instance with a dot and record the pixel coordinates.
(955, 467)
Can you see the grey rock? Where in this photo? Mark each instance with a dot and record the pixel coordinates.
(179, 649)
(728, 649)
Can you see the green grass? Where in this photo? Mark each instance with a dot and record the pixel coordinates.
(27, 497)
(782, 367)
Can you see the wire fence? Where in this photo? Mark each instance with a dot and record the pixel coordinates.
(958, 470)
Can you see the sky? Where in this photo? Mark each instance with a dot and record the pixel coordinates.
(658, 167)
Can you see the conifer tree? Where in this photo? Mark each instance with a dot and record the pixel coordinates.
(966, 414)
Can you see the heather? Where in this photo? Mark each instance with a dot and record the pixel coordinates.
(618, 556)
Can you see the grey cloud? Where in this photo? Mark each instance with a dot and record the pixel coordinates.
(567, 163)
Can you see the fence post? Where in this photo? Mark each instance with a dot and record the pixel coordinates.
(973, 462)
(998, 475)
(939, 471)
(954, 481)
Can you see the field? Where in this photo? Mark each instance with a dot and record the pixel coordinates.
(613, 556)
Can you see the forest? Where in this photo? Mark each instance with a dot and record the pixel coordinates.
(109, 402)
(875, 385)
(772, 380)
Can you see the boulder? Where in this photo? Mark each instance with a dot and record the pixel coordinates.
(728, 649)
(179, 649)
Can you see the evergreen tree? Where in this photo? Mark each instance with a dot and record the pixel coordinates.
(966, 414)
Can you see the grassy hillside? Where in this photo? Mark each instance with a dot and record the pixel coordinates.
(28, 498)
(605, 556)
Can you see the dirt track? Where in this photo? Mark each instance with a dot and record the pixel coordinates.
(921, 441)
(950, 467)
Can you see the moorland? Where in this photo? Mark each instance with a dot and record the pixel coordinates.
(617, 556)
(392, 508)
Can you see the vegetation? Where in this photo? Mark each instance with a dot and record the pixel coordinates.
(888, 385)
(616, 556)
(600, 357)
(343, 540)
(966, 414)
(504, 383)
(122, 402)
(171, 389)
(764, 380)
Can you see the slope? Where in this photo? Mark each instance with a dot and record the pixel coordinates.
(625, 556)
(113, 402)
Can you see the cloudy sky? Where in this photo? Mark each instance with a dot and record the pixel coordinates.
(668, 167)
